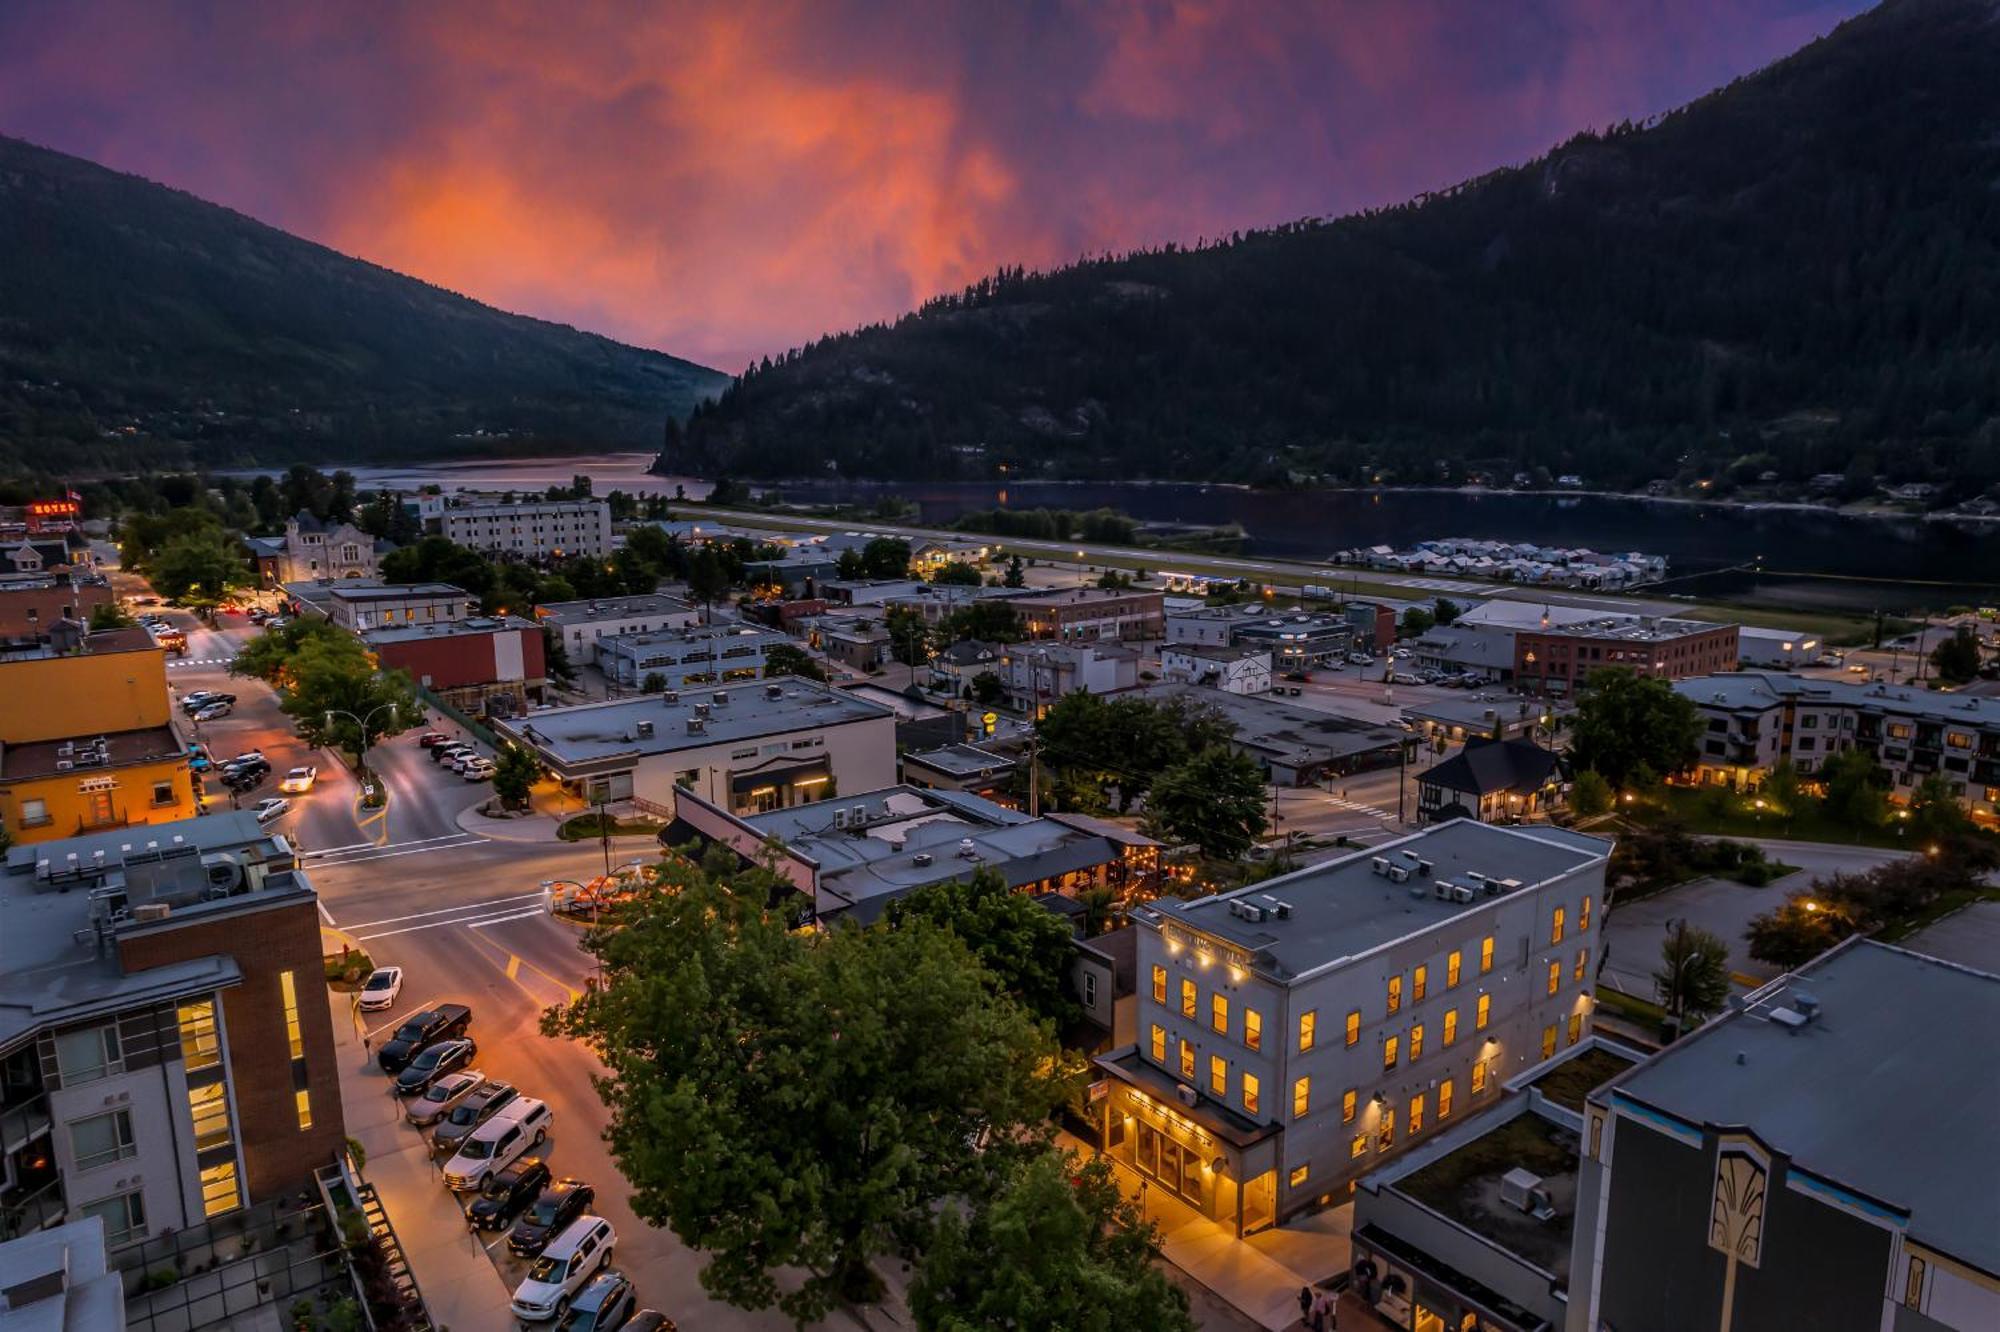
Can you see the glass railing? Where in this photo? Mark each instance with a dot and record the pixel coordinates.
(19, 1215)
(24, 1123)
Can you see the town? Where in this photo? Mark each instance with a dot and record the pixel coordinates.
(754, 925)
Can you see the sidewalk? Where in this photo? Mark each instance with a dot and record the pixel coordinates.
(459, 1283)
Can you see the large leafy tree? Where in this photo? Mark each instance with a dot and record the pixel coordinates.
(198, 568)
(1216, 800)
(1627, 725)
(986, 621)
(1057, 1247)
(322, 674)
(790, 659)
(1956, 659)
(1797, 932)
(1693, 979)
(1856, 788)
(909, 635)
(515, 775)
(886, 557)
(1023, 945)
(796, 1105)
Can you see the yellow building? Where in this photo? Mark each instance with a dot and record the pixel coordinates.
(87, 741)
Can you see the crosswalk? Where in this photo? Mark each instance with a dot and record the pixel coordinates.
(469, 915)
(355, 853)
(201, 661)
(1355, 806)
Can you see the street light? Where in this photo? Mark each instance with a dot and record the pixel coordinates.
(361, 755)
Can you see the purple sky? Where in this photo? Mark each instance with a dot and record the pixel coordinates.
(725, 180)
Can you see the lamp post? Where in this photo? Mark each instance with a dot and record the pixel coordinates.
(361, 755)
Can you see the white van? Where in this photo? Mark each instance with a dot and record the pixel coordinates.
(570, 1260)
(495, 1145)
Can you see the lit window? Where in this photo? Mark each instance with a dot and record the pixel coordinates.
(1486, 955)
(1159, 979)
(1582, 962)
(1479, 1077)
(1307, 1022)
(1218, 1013)
(102, 1139)
(1298, 1176)
(1444, 1099)
(1482, 1012)
(218, 1189)
(1253, 1029)
(1556, 926)
(1348, 1103)
(1575, 1028)
(1389, 1048)
(1555, 976)
(305, 1109)
(1359, 1147)
(200, 1046)
(1395, 993)
(1416, 1042)
(1354, 1027)
(1187, 998)
(1250, 1089)
(1418, 982)
(1218, 1075)
(209, 1108)
(1187, 1061)
(1583, 916)
(1385, 1136)
(1548, 1040)
(1301, 1098)
(1159, 1044)
(1451, 969)
(1450, 1027)
(1416, 1114)
(291, 997)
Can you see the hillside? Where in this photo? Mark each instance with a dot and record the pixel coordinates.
(1798, 273)
(141, 326)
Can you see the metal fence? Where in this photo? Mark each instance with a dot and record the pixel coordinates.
(274, 1253)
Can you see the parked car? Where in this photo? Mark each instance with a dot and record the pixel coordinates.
(468, 1115)
(212, 712)
(602, 1305)
(433, 1062)
(246, 776)
(246, 757)
(299, 780)
(199, 759)
(559, 1204)
(271, 808)
(381, 988)
(650, 1320)
(498, 1143)
(193, 701)
(446, 752)
(508, 1194)
(1360, 659)
(560, 1273)
(464, 759)
(1404, 678)
(443, 1023)
(443, 1096)
(482, 771)
(432, 739)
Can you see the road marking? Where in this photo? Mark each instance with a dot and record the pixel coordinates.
(513, 966)
(473, 921)
(370, 851)
(488, 905)
(203, 661)
(377, 846)
(327, 916)
(502, 920)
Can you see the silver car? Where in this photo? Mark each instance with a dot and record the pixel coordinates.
(442, 1096)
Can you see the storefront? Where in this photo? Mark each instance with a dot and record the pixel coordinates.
(1412, 1289)
(1218, 1162)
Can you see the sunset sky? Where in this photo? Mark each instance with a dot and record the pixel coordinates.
(726, 180)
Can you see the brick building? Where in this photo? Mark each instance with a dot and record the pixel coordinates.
(485, 665)
(1093, 612)
(30, 603)
(1556, 659)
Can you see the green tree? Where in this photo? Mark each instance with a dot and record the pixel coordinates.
(1935, 814)
(1016, 575)
(956, 573)
(198, 568)
(1216, 800)
(653, 683)
(707, 580)
(849, 566)
(886, 557)
(110, 615)
(515, 774)
(796, 1105)
(790, 659)
(987, 690)
(1444, 611)
(909, 635)
(983, 621)
(1855, 788)
(1693, 979)
(1956, 659)
(1057, 1247)
(266, 656)
(328, 677)
(1628, 726)
(1023, 945)
(1416, 623)
(1796, 933)
(1591, 794)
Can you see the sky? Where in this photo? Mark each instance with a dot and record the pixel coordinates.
(725, 180)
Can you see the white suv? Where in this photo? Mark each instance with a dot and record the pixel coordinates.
(495, 1145)
(570, 1260)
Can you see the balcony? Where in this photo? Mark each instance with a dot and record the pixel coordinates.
(31, 1207)
(23, 1124)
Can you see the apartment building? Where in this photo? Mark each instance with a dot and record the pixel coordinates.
(1820, 1156)
(1294, 1035)
(484, 665)
(1034, 677)
(533, 529)
(582, 625)
(682, 658)
(88, 739)
(1557, 659)
(1092, 612)
(356, 604)
(1754, 720)
(164, 1032)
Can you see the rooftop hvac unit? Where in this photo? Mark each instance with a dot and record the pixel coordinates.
(1246, 911)
(1522, 1189)
(1379, 864)
(1442, 888)
(1187, 1094)
(1462, 894)
(721, 697)
(671, 696)
(1399, 873)
(857, 814)
(150, 911)
(1282, 910)
(774, 691)
(1494, 887)
(1476, 879)
(967, 850)
(840, 818)
(1424, 867)
(697, 725)
(645, 730)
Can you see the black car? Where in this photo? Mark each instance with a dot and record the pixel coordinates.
(561, 1203)
(442, 1023)
(197, 701)
(508, 1193)
(468, 1115)
(432, 1063)
(246, 776)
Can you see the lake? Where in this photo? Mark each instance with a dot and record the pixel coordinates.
(1810, 558)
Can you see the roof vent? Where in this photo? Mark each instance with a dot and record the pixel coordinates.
(671, 696)
(920, 859)
(645, 730)
(774, 691)
(697, 725)
(966, 849)
(1806, 1004)
(721, 698)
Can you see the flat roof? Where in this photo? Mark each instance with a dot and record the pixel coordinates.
(1768, 689)
(46, 758)
(1464, 1186)
(1080, 596)
(962, 761)
(611, 608)
(1461, 709)
(1969, 936)
(594, 733)
(479, 624)
(357, 590)
(1283, 731)
(1880, 1093)
(694, 633)
(1343, 908)
(1216, 651)
(1628, 628)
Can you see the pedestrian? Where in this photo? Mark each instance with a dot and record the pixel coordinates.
(1323, 1311)
(1305, 1303)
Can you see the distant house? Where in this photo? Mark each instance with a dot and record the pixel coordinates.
(1236, 670)
(1494, 781)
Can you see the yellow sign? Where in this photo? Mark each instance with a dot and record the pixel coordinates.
(989, 720)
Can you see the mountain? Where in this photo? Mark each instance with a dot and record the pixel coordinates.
(1798, 273)
(141, 326)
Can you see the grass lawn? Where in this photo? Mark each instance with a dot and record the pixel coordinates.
(583, 828)
(1695, 810)
(347, 973)
(1574, 1079)
(1938, 910)
(1630, 1007)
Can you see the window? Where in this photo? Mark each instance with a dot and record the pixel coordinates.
(1575, 1028)
(1482, 1012)
(1583, 917)
(1159, 1044)
(102, 1139)
(1556, 926)
(1444, 1100)
(1298, 1176)
(1301, 1097)
(1159, 981)
(1548, 1040)
(1308, 1022)
(163, 793)
(124, 1218)
(1451, 970)
(305, 1109)
(1913, 1286)
(89, 1054)
(1187, 998)
(1354, 1027)
(1348, 1102)
(1582, 963)
(1555, 976)
(1389, 1049)
(1479, 1077)
(1416, 1042)
(1187, 1061)
(1250, 1090)
(1385, 1135)
(1218, 1013)
(289, 993)
(1218, 1075)
(1486, 955)
(1090, 989)
(1416, 1114)
(1450, 1027)
(1359, 1147)
(209, 1108)
(1418, 982)
(34, 813)
(218, 1189)
(1395, 993)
